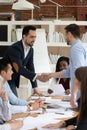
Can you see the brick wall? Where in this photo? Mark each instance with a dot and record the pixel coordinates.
(48, 10)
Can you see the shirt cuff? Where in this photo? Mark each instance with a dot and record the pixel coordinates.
(35, 77)
(23, 109)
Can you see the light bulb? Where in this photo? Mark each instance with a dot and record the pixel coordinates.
(42, 1)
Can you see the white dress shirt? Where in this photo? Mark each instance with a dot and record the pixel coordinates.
(26, 49)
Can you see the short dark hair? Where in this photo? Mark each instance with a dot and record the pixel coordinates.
(4, 64)
(26, 29)
(74, 29)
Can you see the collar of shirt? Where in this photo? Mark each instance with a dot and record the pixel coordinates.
(26, 49)
(77, 41)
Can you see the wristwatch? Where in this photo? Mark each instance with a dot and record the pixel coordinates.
(31, 108)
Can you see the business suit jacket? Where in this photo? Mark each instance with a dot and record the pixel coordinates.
(15, 53)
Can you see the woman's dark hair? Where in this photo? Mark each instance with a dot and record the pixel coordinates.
(81, 76)
(62, 58)
(74, 29)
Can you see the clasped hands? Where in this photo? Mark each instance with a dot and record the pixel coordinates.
(44, 77)
(35, 105)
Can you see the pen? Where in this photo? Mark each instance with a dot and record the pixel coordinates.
(59, 113)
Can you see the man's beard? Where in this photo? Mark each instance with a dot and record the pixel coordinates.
(29, 45)
(68, 42)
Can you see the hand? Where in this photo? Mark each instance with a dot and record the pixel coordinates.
(44, 77)
(51, 126)
(73, 101)
(38, 92)
(35, 105)
(15, 125)
(67, 91)
(71, 127)
(3, 95)
(40, 103)
(2, 81)
(50, 91)
(54, 126)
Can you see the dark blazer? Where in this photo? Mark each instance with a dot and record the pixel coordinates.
(15, 53)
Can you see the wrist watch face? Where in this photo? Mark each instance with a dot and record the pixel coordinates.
(31, 108)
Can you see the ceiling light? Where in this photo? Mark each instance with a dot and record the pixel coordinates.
(42, 1)
(22, 5)
(57, 5)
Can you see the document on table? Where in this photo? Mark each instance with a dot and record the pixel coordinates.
(64, 104)
(57, 89)
(41, 120)
(67, 97)
(38, 122)
(39, 111)
(38, 97)
(52, 101)
(46, 99)
(60, 112)
(58, 103)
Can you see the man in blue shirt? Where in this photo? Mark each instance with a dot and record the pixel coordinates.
(17, 103)
(78, 58)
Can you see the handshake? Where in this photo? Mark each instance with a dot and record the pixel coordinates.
(44, 77)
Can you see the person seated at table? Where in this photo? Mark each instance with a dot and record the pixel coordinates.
(81, 120)
(62, 63)
(20, 105)
(5, 114)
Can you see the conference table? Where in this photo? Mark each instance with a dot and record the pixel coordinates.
(54, 110)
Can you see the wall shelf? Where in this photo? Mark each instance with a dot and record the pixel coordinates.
(51, 28)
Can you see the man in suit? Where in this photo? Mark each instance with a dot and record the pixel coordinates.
(20, 55)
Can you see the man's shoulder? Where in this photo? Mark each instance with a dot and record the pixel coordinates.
(18, 43)
(78, 45)
(16, 46)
